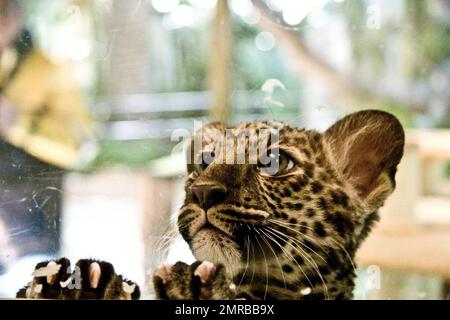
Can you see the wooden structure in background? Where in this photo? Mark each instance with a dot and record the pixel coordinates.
(220, 64)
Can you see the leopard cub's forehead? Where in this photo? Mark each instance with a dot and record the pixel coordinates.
(261, 126)
(283, 132)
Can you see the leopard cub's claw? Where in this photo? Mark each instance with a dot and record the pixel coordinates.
(205, 271)
(163, 272)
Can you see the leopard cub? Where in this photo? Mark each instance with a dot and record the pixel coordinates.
(271, 212)
(287, 228)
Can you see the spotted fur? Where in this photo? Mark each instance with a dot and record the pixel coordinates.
(294, 235)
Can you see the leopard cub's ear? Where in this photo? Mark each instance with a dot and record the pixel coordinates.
(365, 148)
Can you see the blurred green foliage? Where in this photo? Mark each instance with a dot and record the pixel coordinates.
(135, 153)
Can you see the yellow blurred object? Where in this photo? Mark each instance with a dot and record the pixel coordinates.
(52, 121)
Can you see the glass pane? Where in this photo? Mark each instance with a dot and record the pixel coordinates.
(99, 99)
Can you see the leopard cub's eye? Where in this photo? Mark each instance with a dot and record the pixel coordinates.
(277, 164)
(203, 161)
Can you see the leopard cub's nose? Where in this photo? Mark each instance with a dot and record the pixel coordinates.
(209, 194)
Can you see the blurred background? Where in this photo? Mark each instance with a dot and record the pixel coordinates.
(138, 74)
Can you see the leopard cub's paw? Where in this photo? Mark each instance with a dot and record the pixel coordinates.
(200, 280)
(90, 279)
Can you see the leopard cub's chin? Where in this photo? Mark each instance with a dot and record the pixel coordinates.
(212, 245)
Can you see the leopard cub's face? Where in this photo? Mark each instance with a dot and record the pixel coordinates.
(285, 209)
